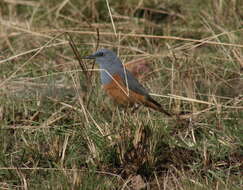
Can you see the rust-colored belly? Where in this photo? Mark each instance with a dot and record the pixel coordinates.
(119, 92)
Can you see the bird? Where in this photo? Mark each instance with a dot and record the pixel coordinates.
(120, 84)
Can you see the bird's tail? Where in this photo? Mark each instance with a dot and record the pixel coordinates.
(156, 106)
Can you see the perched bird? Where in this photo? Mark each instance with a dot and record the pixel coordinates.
(120, 84)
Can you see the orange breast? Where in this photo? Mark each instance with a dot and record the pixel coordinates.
(119, 92)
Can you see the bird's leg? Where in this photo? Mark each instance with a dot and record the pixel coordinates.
(135, 108)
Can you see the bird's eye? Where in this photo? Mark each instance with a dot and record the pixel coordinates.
(100, 54)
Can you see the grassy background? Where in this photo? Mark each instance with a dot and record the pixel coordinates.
(58, 130)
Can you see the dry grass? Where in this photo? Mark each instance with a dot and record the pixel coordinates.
(59, 130)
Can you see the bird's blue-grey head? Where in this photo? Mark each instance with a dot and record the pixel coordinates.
(108, 62)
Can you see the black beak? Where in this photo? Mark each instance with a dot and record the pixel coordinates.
(88, 57)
